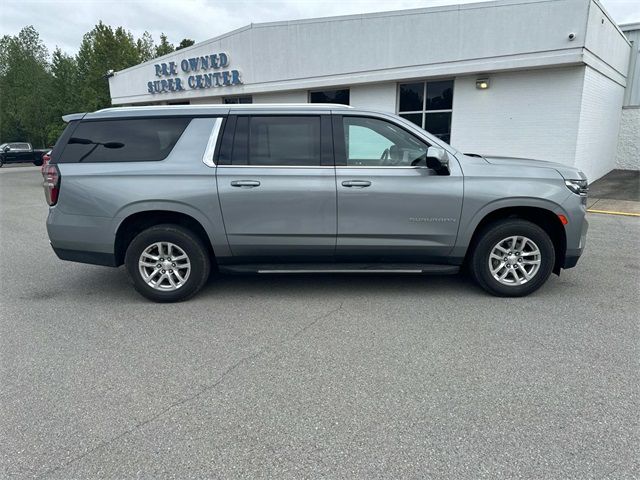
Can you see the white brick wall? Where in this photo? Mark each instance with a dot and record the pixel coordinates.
(529, 114)
(628, 153)
(206, 101)
(601, 105)
(379, 96)
(383, 47)
(298, 96)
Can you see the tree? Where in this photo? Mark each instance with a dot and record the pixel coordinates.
(184, 43)
(65, 84)
(164, 47)
(103, 49)
(24, 88)
(146, 47)
(36, 90)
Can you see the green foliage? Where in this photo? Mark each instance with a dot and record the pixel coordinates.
(24, 87)
(36, 88)
(184, 43)
(146, 48)
(103, 49)
(164, 47)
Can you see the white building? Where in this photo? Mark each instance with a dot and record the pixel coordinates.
(628, 154)
(555, 73)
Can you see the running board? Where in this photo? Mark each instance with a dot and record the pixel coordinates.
(342, 268)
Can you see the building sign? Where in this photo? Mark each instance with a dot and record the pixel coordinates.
(204, 72)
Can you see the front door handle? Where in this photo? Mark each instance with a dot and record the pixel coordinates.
(245, 183)
(356, 183)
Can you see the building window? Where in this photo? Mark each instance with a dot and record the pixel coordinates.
(237, 100)
(428, 105)
(330, 96)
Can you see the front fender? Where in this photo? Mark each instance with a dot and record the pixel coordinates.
(472, 217)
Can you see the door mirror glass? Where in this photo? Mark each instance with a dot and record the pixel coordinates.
(438, 159)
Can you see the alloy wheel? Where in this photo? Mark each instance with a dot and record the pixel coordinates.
(514, 260)
(164, 266)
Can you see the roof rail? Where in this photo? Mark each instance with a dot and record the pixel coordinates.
(314, 106)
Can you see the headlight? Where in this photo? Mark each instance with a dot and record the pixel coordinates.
(579, 187)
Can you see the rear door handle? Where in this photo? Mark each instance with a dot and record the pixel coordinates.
(356, 183)
(245, 183)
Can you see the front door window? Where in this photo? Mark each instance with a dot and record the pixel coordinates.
(371, 142)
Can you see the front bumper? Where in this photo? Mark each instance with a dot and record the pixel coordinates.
(572, 255)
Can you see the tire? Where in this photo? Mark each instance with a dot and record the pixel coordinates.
(1, 162)
(37, 163)
(497, 239)
(173, 240)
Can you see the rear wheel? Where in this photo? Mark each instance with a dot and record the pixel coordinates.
(167, 263)
(512, 258)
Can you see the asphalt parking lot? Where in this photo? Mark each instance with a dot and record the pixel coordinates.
(315, 376)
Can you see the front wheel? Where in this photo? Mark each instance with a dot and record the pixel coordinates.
(512, 258)
(167, 263)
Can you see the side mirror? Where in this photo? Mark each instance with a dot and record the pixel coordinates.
(438, 160)
(7, 148)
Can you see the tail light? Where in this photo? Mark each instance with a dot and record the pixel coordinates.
(51, 184)
(46, 158)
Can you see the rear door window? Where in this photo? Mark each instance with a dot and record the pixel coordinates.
(277, 141)
(130, 140)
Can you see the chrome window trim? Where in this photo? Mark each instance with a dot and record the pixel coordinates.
(325, 166)
(276, 166)
(381, 166)
(207, 157)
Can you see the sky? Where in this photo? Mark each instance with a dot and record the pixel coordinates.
(62, 23)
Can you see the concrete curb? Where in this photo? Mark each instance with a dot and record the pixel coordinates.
(614, 207)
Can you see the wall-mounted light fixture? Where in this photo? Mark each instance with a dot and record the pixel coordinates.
(482, 83)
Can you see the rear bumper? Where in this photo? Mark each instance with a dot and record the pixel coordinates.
(80, 238)
(93, 258)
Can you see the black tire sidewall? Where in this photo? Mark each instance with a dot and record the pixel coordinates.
(503, 229)
(187, 241)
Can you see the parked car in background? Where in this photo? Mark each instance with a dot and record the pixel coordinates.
(46, 158)
(171, 192)
(20, 152)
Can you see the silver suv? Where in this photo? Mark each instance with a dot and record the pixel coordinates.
(172, 192)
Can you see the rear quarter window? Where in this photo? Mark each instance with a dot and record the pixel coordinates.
(124, 140)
